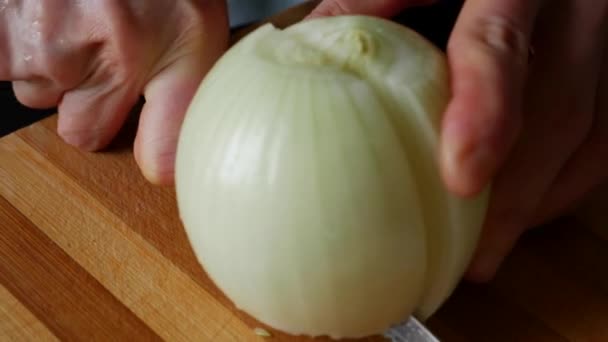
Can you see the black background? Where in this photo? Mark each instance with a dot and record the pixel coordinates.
(14, 116)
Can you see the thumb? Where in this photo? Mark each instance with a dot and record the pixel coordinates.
(380, 8)
(488, 57)
(168, 96)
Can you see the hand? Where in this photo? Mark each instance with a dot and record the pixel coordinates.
(537, 128)
(94, 59)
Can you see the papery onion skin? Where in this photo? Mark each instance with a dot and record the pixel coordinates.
(307, 178)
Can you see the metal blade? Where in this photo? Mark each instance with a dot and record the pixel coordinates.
(410, 331)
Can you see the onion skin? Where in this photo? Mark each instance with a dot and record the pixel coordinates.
(307, 178)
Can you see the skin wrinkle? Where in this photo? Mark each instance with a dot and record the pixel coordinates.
(506, 38)
(167, 56)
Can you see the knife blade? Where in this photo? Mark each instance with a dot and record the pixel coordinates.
(410, 331)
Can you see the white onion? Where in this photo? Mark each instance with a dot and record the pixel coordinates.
(307, 178)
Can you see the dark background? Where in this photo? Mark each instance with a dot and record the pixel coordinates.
(14, 116)
(434, 22)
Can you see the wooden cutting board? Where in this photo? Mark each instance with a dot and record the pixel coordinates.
(90, 251)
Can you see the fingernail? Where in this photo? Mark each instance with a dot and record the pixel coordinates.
(84, 140)
(159, 167)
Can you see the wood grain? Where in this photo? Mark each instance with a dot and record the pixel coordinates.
(43, 276)
(17, 323)
(108, 249)
(114, 184)
(90, 251)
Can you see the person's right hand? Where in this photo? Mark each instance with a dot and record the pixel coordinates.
(94, 59)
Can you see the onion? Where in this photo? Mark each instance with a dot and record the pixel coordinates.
(307, 178)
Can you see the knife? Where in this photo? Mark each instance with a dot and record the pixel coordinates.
(410, 331)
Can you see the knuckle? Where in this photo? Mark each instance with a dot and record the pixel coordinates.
(332, 8)
(62, 70)
(74, 65)
(503, 37)
(114, 69)
(498, 37)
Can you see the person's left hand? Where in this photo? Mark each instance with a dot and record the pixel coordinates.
(94, 59)
(537, 128)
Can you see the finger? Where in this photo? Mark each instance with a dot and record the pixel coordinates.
(168, 96)
(167, 99)
(488, 53)
(91, 116)
(37, 93)
(588, 167)
(42, 79)
(380, 8)
(559, 107)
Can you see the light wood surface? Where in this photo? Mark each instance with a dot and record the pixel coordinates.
(90, 251)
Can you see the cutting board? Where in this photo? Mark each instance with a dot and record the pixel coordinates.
(90, 251)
